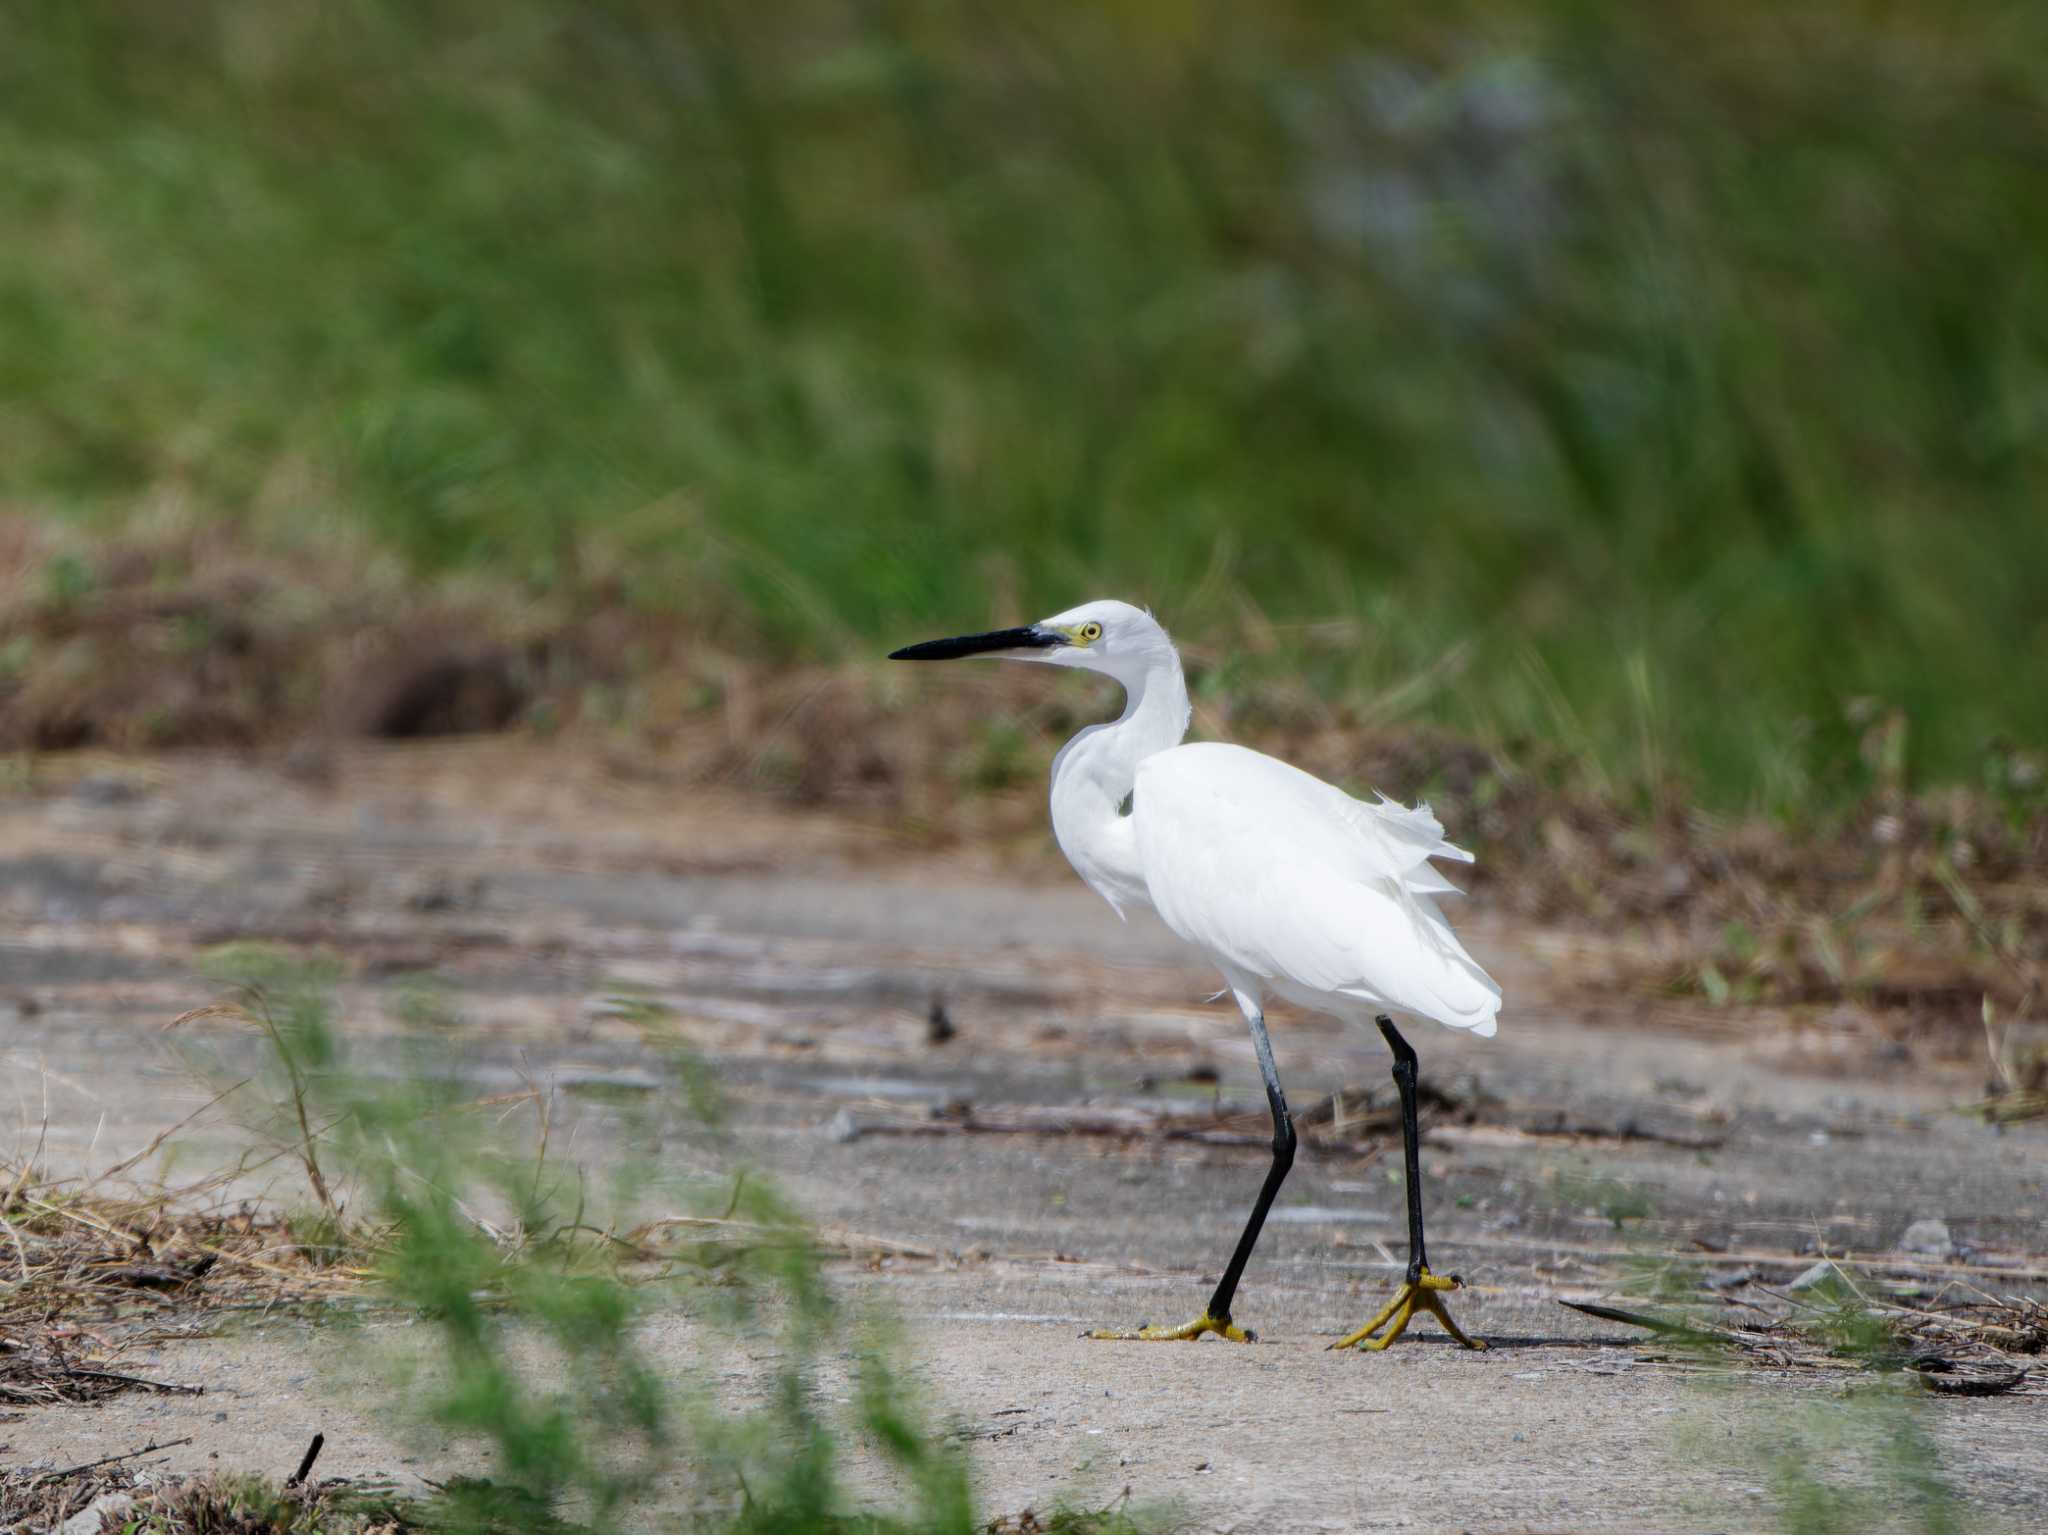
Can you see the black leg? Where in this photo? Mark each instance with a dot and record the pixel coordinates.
(1216, 1318)
(1411, 1139)
(1283, 1159)
(1421, 1290)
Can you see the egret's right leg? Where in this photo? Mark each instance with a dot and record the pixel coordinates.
(1216, 1317)
(1420, 1289)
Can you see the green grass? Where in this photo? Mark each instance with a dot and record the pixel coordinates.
(1615, 1200)
(1652, 381)
(1864, 1458)
(592, 1431)
(534, 1279)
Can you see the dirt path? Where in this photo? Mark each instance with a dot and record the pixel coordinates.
(803, 959)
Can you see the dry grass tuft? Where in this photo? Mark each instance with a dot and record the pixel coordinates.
(88, 1274)
(154, 1503)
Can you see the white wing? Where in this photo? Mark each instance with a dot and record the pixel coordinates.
(1281, 876)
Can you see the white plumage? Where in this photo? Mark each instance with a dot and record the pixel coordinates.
(1284, 879)
(1291, 886)
(1288, 883)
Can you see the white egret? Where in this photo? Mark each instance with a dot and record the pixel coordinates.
(1291, 886)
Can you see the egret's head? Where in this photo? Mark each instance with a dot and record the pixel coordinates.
(1106, 636)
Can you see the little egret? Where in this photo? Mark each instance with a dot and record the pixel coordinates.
(1292, 887)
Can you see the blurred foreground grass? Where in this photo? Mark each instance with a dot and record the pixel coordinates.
(1667, 384)
(539, 1285)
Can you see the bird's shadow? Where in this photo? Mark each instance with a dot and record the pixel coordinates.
(1497, 1341)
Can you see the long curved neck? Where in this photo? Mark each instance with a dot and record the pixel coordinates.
(1093, 776)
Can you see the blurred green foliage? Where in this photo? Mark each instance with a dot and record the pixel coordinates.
(537, 1306)
(1686, 364)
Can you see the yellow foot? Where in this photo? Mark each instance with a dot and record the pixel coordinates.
(1426, 1292)
(1229, 1331)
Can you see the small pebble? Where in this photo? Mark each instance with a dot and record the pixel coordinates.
(108, 1507)
(1819, 1274)
(1930, 1238)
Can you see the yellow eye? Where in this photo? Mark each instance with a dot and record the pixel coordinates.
(1090, 631)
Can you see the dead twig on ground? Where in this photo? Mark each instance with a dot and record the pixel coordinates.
(306, 1463)
(1106, 1122)
(1950, 1355)
(825, 1241)
(108, 1460)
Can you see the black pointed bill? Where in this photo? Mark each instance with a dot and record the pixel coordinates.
(981, 645)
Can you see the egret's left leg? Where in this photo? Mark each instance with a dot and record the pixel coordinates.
(1420, 1290)
(1216, 1317)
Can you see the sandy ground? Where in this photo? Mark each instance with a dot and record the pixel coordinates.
(802, 956)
